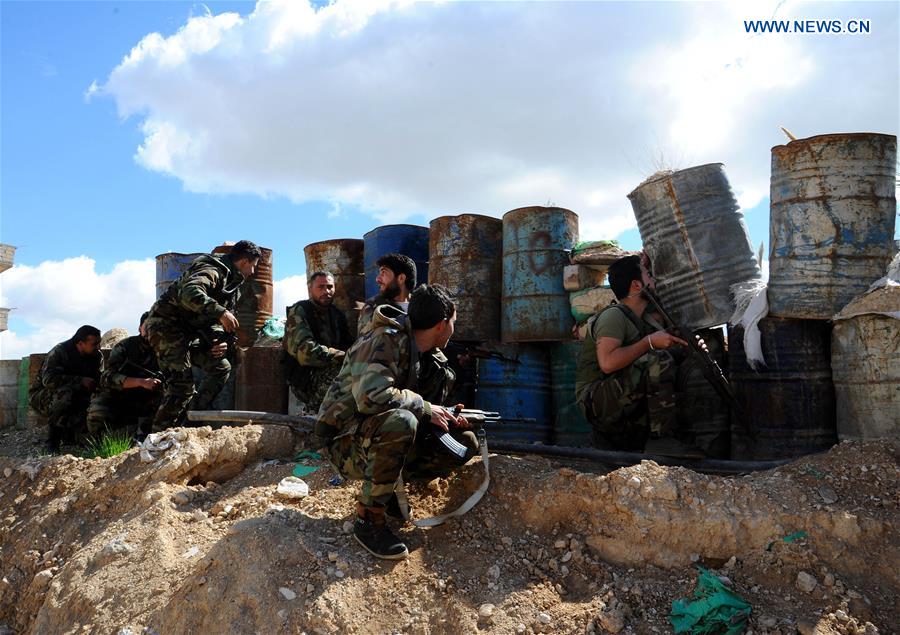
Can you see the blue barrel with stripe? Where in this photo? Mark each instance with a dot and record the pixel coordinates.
(409, 240)
(169, 268)
(517, 385)
(570, 428)
(535, 305)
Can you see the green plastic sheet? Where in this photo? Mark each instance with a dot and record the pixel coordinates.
(714, 610)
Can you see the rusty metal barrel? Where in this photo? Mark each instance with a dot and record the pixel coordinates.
(833, 212)
(260, 383)
(254, 305)
(702, 414)
(697, 241)
(790, 401)
(535, 305)
(464, 255)
(343, 258)
(409, 240)
(170, 266)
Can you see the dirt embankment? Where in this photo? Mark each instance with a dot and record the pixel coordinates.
(198, 541)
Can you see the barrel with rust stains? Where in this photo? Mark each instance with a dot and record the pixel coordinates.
(704, 418)
(570, 428)
(342, 258)
(254, 305)
(517, 385)
(260, 382)
(535, 305)
(697, 241)
(790, 402)
(464, 255)
(409, 240)
(169, 267)
(833, 212)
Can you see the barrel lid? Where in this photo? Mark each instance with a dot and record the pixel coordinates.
(831, 137)
(521, 210)
(380, 227)
(332, 241)
(668, 174)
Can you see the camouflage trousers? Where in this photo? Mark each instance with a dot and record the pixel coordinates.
(633, 404)
(317, 382)
(175, 357)
(119, 408)
(387, 444)
(65, 410)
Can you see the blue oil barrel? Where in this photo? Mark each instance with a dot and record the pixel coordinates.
(535, 305)
(409, 240)
(517, 386)
(791, 401)
(464, 255)
(169, 268)
(570, 428)
(695, 236)
(833, 213)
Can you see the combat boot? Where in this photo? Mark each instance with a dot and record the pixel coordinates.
(373, 534)
(392, 508)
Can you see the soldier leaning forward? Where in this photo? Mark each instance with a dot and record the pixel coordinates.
(375, 424)
(316, 336)
(130, 387)
(198, 305)
(62, 388)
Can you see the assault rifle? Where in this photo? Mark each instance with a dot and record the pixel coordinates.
(476, 352)
(217, 337)
(478, 419)
(710, 367)
(145, 372)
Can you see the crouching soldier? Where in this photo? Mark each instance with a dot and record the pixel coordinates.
(316, 336)
(62, 388)
(130, 387)
(376, 425)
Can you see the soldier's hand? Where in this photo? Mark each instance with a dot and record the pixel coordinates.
(218, 350)
(701, 343)
(229, 322)
(150, 384)
(88, 383)
(663, 340)
(442, 418)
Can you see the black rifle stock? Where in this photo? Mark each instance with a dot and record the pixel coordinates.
(711, 369)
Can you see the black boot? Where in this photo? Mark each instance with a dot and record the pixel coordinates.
(375, 537)
(392, 508)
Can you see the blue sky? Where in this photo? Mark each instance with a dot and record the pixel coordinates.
(293, 124)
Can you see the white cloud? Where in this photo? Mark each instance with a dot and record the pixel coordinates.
(54, 298)
(485, 107)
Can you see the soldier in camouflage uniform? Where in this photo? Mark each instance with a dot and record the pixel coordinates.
(188, 326)
(316, 337)
(62, 388)
(130, 388)
(396, 280)
(374, 422)
(625, 376)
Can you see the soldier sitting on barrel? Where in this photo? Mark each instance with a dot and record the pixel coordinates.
(625, 376)
(316, 336)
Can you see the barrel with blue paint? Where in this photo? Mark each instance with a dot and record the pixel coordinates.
(516, 384)
(790, 402)
(694, 234)
(169, 267)
(570, 428)
(465, 256)
(536, 246)
(833, 213)
(409, 240)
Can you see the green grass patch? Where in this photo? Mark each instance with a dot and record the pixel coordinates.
(110, 444)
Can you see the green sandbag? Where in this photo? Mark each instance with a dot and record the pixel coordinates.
(715, 610)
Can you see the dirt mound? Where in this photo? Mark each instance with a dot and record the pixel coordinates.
(199, 541)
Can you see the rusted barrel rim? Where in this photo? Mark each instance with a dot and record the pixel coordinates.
(184, 253)
(669, 175)
(332, 240)
(465, 215)
(834, 136)
(395, 225)
(540, 207)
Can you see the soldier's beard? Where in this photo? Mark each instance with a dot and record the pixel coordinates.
(392, 290)
(324, 301)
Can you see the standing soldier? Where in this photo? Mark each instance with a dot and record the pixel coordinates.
(62, 388)
(198, 306)
(396, 280)
(375, 424)
(130, 387)
(316, 337)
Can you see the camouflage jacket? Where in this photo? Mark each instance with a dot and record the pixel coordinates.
(118, 369)
(209, 287)
(313, 336)
(368, 312)
(378, 375)
(65, 367)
